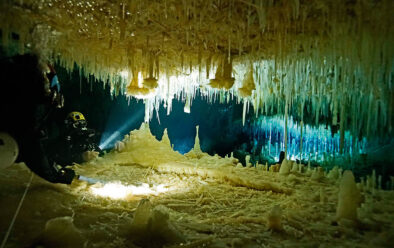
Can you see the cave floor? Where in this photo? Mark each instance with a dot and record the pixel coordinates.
(190, 205)
(200, 209)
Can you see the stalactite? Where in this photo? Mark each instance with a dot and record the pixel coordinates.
(311, 60)
(342, 125)
(301, 131)
(285, 128)
(244, 112)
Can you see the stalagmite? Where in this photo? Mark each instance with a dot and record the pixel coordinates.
(196, 152)
(274, 219)
(197, 147)
(323, 196)
(318, 174)
(141, 217)
(301, 168)
(120, 146)
(334, 173)
(380, 182)
(151, 226)
(165, 139)
(247, 163)
(349, 198)
(285, 167)
(295, 167)
(61, 232)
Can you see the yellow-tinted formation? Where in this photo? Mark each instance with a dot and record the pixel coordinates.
(335, 55)
(148, 195)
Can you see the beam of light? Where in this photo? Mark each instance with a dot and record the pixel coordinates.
(116, 190)
(106, 142)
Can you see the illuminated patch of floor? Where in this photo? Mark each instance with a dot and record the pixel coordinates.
(199, 209)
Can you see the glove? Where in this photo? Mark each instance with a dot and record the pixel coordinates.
(66, 175)
(89, 155)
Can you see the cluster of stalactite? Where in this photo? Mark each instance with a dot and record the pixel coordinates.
(317, 59)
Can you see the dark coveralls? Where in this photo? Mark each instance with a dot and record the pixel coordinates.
(74, 142)
(24, 105)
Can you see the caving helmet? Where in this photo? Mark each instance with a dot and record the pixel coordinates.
(76, 120)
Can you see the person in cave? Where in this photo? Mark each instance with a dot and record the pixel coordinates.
(78, 143)
(29, 94)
